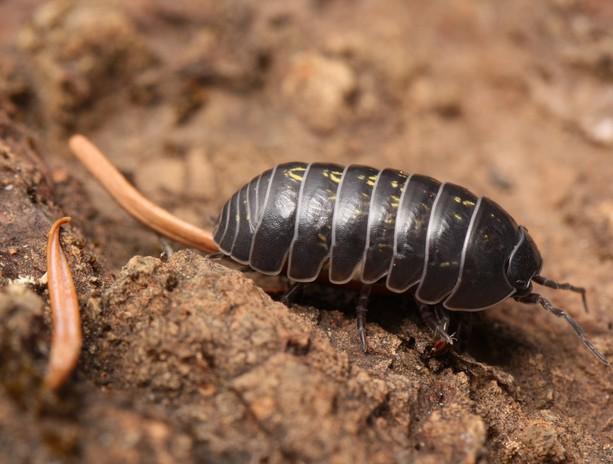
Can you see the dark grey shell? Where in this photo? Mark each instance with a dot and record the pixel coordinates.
(369, 225)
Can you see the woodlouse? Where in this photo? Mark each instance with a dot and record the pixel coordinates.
(457, 251)
(439, 221)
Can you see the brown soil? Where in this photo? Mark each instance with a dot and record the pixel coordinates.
(186, 360)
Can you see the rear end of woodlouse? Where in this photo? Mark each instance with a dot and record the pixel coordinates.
(456, 251)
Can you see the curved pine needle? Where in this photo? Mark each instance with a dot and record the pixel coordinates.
(66, 336)
(136, 204)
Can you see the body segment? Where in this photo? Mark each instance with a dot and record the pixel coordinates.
(311, 245)
(350, 222)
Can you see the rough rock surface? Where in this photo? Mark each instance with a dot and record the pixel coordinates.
(187, 360)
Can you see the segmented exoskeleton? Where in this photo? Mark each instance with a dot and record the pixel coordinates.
(407, 230)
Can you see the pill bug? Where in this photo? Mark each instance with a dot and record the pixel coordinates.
(455, 250)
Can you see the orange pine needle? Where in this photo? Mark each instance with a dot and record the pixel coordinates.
(134, 203)
(66, 336)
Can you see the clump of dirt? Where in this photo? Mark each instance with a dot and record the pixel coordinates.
(248, 377)
(27, 205)
(187, 360)
(23, 338)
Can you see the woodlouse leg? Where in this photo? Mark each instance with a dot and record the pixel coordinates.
(361, 311)
(167, 250)
(535, 298)
(291, 293)
(437, 320)
(544, 281)
(443, 320)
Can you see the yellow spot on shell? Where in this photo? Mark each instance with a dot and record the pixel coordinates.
(296, 173)
(457, 199)
(334, 176)
(468, 203)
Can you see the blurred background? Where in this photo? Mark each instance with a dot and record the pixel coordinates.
(190, 99)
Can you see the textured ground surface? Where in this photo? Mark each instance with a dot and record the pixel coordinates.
(185, 360)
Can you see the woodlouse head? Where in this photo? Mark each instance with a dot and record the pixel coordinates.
(524, 263)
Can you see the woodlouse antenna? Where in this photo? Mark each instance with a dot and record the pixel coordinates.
(134, 202)
(535, 298)
(66, 336)
(544, 281)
